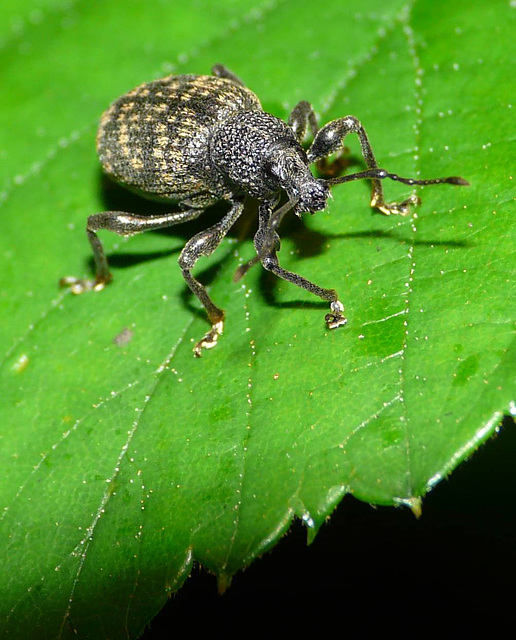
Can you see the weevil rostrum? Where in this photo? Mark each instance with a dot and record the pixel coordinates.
(197, 139)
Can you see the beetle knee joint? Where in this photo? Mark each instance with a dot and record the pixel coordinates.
(269, 262)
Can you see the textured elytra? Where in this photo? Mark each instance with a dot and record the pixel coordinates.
(155, 139)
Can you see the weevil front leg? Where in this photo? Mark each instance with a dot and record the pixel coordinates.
(267, 242)
(124, 224)
(330, 138)
(204, 244)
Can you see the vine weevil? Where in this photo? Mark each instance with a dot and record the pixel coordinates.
(196, 139)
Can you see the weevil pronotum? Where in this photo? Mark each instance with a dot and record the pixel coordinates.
(196, 139)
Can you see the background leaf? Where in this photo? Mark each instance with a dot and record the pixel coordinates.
(127, 462)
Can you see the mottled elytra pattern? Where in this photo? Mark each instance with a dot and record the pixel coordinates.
(154, 139)
(197, 139)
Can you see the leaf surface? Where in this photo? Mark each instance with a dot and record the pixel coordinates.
(125, 458)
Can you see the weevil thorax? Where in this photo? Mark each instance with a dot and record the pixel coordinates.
(259, 154)
(240, 149)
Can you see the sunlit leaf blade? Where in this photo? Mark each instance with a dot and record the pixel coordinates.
(124, 458)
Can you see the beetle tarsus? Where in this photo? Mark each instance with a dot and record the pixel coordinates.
(209, 340)
(397, 208)
(336, 318)
(80, 285)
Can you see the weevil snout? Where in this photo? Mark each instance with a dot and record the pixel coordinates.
(294, 175)
(313, 196)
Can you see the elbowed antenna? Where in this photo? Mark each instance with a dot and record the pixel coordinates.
(381, 174)
(376, 174)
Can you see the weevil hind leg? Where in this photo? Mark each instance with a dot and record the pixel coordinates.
(123, 224)
(102, 273)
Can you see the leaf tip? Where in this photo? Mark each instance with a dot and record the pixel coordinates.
(223, 582)
(416, 506)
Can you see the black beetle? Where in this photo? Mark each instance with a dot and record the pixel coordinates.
(198, 139)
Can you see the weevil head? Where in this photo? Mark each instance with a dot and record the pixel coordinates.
(314, 196)
(290, 166)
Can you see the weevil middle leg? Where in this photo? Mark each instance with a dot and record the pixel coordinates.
(204, 244)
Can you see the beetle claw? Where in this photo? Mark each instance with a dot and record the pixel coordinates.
(397, 208)
(209, 340)
(80, 285)
(336, 318)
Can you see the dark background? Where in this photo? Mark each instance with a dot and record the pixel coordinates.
(372, 571)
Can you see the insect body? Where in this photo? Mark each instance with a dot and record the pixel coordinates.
(195, 140)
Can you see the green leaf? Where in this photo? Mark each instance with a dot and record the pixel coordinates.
(125, 460)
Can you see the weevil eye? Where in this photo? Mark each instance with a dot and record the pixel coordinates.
(288, 169)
